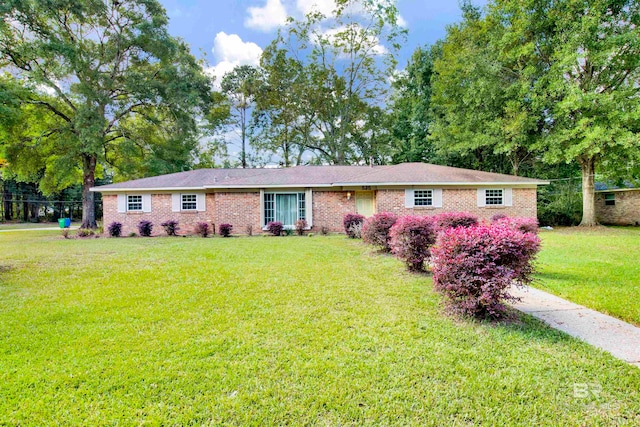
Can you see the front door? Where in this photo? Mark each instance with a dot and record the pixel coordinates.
(364, 203)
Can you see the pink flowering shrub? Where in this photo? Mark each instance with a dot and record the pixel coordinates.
(353, 225)
(447, 220)
(275, 228)
(411, 238)
(475, 267)
(526, 225)
(375, 230)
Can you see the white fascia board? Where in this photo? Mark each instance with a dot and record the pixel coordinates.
(142, 190)
(440, 184)
(258, 187)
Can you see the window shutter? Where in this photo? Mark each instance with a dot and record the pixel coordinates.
(437, 197)
(481, 197)
(176, 202)
(308, 200)
(146, 203)
(409, 199)
(201, 202)
(507, 197)
(122, 203)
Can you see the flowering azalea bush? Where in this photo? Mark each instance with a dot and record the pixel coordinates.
(145, 228)
(447, 220)
(225, 230)
(170, 227)
(475, 267)
(375, 230)
(353, 225)
(411, 238)
(526, 225)
(275, 228)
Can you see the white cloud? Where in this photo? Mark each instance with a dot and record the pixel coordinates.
(266, 18)
(326, 7)
(231, 51)
(401, 21)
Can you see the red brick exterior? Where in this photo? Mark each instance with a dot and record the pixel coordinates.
(329, 208)
(626, 210)
(460, 200)
(243, 210)
(240, 210)
(160, 212)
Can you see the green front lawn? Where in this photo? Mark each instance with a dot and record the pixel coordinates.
(264, 331)
(598, 268)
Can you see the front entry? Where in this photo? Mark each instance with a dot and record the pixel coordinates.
(364, 203)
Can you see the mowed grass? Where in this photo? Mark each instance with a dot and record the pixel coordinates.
(272, 331)
(598, 268)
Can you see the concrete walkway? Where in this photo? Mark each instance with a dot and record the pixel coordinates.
(619, 338)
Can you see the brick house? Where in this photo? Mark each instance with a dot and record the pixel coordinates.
(618, 206)
(250, 198)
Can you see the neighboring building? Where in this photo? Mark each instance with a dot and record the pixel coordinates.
(248, 199)
(617, 206)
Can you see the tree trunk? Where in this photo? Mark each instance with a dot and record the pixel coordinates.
(88, 197)
(588, 166)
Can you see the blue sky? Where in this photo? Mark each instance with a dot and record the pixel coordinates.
(238, 30)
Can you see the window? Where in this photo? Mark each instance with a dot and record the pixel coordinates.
(494, 197)
(189, 202)
(610, 199)
(423, 198)
(286, 208)
(134, 203)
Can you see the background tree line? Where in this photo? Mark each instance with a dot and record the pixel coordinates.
(538, 88)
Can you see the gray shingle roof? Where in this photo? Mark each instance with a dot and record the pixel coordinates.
(320, 176)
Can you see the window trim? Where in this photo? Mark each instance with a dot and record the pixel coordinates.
(428, 198)
(609, 199)
(487, 197)
(194, 202)
(129, 202)
(299, 207)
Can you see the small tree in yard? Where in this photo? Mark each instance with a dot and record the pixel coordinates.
(301, 225)
(353, 225)
(375, 230)
(115, 229)
(202, 229)
(411, 238)
(475, 267)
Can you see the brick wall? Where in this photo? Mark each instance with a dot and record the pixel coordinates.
(460, 200)
(240, 210)
(626, 211)
(329, 208)
(160, 212)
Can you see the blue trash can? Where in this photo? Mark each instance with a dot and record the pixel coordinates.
(67, 222)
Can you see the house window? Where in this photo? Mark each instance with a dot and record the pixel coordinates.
(286, 208)
(423, 198)
(189, 202)
(494, 197)
(610, 199)
(134, 203)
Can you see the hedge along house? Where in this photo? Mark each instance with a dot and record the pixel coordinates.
(249, 199)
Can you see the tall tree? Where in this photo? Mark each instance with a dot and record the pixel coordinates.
(346, 58)
(241, 86)
(411, 109)
(95, 67)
